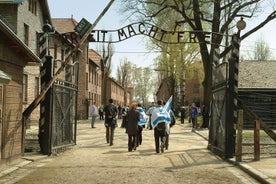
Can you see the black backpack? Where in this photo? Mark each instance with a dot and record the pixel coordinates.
(111, 111)
(161, 126)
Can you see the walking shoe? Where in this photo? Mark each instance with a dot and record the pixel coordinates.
(162, 149)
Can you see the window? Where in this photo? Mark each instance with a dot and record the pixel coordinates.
(26, 34)
(86, 82)
(55, 51)
(55, 55)
(33, 6)
(196, 88)
(1, 102)
(36, 87)
(37, 44)
(90, 71)
(25, 88)
(62, 55)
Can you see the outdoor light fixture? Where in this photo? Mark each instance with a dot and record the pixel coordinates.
(48, 28)
(241, 24)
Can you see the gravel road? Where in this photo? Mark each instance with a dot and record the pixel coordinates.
(92, 161)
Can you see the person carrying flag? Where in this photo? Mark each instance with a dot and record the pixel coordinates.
(160, 123)
(141, 123)
(172, 116)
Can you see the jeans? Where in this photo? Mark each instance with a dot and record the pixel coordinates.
(93, 121)
(159, 136)
(110, 134)
(132, 142)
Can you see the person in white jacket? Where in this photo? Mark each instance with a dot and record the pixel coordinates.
(94, 111)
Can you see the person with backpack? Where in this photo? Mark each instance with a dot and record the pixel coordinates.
(110, 112)
(159, 129)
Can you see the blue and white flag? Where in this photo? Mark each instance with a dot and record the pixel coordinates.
(162, 114)
(143, 116)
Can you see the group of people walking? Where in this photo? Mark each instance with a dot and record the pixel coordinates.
(135, 119)
(159, 118)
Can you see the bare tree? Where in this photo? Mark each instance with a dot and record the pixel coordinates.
(143, 80)
(107, 53)
(261, 51)
(124, 76)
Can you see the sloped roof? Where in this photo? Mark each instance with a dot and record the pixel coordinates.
(64, 25)
(257, 74)
(9, 37)
(94, 56)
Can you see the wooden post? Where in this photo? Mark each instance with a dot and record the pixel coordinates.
(239, 136)
(257, 140)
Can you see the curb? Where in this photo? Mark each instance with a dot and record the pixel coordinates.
(13, 168)
(259, 176)
(26, 159)
(254, 173)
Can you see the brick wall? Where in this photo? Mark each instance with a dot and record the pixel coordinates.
(82, 91)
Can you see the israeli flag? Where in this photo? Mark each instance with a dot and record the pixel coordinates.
(143, 117)
(162, 114)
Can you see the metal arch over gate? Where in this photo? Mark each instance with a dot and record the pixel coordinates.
(142, 28)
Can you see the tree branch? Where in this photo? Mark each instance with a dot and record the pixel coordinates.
(272, 16)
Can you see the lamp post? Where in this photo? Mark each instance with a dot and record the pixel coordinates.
(232, 92)
(241, 24)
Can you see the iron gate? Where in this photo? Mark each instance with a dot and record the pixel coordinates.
(224, 105)
(64, 114)
(217, 132)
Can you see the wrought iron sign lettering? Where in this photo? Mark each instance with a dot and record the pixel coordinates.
(146, 29)
(171, 37)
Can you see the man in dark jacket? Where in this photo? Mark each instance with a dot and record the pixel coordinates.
(110, 112)
(132, 117)
(182, 114)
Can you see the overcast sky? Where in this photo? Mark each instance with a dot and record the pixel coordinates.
(134, 49)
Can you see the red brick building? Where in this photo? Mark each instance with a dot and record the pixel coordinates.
(193, 89)
(193, 84)
(94, 78)
(66, 26)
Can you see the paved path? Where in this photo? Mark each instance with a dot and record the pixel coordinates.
(94, 161)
